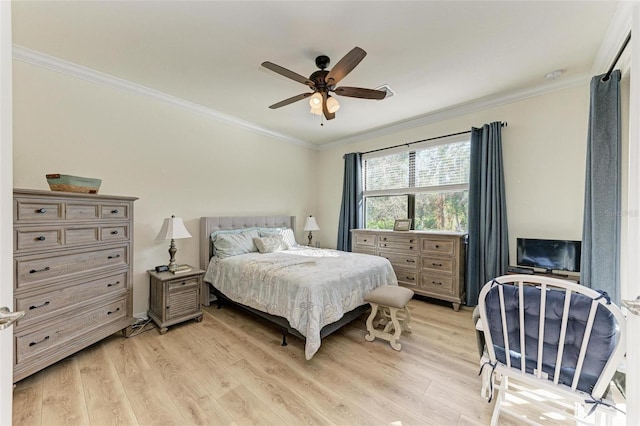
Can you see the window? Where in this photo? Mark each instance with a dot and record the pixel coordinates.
(427, 182)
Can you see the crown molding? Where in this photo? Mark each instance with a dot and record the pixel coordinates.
(619, 28)
(53, 63)
(463, 109)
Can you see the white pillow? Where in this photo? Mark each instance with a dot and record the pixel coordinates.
(270, 244)
(287, 235)
(233, 244)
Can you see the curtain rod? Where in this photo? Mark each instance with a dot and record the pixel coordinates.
(615, 61)
(502, 124)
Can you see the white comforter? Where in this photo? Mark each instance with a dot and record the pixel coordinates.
(309, 287)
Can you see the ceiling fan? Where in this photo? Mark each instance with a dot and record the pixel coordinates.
(324, 81)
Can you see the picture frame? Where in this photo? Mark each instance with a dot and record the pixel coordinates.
(402, 225)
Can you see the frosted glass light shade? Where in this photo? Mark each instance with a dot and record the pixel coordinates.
(332, 104)
(315, 101)
(173, 228)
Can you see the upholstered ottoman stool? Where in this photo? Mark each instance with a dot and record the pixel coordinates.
(389, 300)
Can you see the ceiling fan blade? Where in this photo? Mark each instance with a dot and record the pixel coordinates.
(358, 92)
(290, 100)
(328, 115)
(345, 65)
(288, 73)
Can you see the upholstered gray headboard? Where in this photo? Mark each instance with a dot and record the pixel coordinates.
(210, 224)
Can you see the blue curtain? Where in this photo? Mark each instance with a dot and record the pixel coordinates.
(488, 247)
(351, 208)
(600, 261)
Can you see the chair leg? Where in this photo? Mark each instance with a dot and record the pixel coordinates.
(370, 336)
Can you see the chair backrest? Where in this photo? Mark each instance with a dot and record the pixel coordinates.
(565, 332)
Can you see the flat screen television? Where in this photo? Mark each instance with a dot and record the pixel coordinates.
(550, 255)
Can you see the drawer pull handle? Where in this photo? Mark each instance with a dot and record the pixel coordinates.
(384, 239)
(115, 211)
(411, 241)
(32, 307)
(113, 257)
(436, 264)
(113, 312)
(436, 282)
(410, 278)
(43, 340)
(364, 241)
(112, 284)
(437, 246)
(41, 211)
(384, 245)
(411, 261)
(33, 271)
(114, 232)
(41, 238)
(410, 247)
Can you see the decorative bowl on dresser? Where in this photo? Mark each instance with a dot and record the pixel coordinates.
(430, 263)
(73, 257)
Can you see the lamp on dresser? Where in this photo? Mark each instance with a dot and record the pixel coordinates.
(311, 225)
(172, 229)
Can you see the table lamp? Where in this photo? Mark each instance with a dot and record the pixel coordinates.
(311, 225)
(172, 229)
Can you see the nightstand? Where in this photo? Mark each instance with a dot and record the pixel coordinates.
(174, 298)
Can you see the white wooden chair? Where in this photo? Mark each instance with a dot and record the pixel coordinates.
(571, 338)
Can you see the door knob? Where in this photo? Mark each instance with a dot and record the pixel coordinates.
(7, 318)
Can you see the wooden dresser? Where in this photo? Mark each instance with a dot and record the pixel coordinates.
(430, 263)
(73, 257)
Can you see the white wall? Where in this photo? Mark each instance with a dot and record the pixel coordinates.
(175, 161)
(544, 149)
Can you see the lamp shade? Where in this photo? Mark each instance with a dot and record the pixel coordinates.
(311, 224)
(173, 228)
(332, 104)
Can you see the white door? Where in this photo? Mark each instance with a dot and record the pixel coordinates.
(6, 211)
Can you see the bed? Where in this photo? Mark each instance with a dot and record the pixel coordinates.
(307, 292)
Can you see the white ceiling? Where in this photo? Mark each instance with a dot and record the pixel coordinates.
(435, 55)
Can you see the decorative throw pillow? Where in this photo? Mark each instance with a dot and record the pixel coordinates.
(233, 244)
(287, 235)
(270, 244)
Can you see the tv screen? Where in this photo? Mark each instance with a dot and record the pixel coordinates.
(550, 255)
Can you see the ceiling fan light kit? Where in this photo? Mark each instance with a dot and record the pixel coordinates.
(323, 82)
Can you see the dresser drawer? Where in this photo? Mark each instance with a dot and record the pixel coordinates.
(400, 246)
(439, 246)
(400, 260)
(38, 238)
(406, 240)
(406, 277)
(48, 304)
(29, 210)
(42, 269)
(436, 283)
(57, 334)
(114, 233)
(82, 211)
(365, 240)
(115, 211)
(75, 235)
(437, 264)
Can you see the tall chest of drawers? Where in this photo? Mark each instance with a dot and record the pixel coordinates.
(430, 263)
(73, 257)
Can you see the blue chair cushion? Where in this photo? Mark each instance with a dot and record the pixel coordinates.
(599, 349)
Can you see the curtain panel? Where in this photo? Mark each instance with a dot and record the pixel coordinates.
(488, 247)
(600, 259)
(351, 213)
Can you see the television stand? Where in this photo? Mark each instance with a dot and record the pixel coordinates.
(575, 278)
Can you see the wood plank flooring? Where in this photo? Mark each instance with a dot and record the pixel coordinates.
(230, 369)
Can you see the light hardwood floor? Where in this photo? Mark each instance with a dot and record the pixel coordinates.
(231, 370)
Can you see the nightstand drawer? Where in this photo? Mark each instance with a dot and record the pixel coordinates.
(181, 303)
(182, 285)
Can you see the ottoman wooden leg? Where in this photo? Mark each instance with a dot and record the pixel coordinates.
(393, 340)
(370, 336)
(406, 324)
